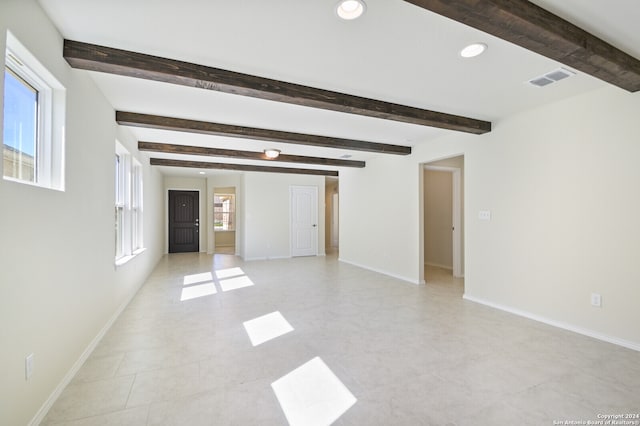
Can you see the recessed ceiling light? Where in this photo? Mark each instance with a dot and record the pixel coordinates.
(350, 9)
(201, 173)
(473, 50)
(272, 153)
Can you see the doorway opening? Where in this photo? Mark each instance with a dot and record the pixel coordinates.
(224, 220)
(331, 216)
(184, 221)
(443, 220)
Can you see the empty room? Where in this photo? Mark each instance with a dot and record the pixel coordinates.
(378, 212)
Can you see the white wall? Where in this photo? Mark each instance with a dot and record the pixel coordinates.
(58, 284)
(562, 185)
(188, 184)
(266, 212)
(379, 213)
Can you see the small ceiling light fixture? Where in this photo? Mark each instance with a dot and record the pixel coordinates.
(350, 9)
(473, 50)
(202, 173)
(271, 153)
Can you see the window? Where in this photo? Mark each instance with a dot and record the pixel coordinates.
(120, 174)
(33, 120)
(224, 212)
(20, 127)
(136, 206)
(128, 205)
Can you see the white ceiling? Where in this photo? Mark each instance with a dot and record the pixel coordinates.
(396, 52)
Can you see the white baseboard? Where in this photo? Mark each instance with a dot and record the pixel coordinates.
(566, 326)
(250, 259)
(380, 271)
(44, 409)
(437, 265)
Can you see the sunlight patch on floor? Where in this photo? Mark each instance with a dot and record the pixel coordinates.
(196, 291)
(197, 278)
(311, 395)
(267, 327)
(235, 283)
(229, 272)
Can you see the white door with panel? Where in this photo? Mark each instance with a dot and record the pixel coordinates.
(304, 220)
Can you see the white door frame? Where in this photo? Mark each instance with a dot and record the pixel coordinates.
(457, 216)
(335, 217)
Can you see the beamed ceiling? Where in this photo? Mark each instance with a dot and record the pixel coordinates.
(208, 85)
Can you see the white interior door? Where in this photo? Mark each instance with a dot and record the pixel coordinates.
(457, 232)
(304, 220)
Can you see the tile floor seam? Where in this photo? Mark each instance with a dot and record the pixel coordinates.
(133, 383)
(100, 414)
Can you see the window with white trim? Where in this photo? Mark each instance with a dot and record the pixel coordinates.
(33, 120)
(224, 212)
(120, 202)
(136, 206)
(128, 205)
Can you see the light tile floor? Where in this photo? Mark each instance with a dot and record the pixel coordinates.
(411, 355)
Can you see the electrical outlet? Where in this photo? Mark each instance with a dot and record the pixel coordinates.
(28, 366)
(596, 300)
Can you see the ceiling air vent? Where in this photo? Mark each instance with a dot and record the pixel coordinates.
(541, 81)
(551, 77)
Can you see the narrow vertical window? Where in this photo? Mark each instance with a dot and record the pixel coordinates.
(128, 205)
(136, 207)
(119, 207)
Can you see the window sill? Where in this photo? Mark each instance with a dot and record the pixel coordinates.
(34, 184)
(124, 259)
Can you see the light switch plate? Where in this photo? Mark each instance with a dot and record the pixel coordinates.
(484, 215)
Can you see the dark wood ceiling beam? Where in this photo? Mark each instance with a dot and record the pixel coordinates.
(532, 27)
(217, 129)
(244, 155)
(240, 167)
(116, 61)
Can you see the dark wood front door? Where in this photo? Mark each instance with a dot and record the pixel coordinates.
(184, 221)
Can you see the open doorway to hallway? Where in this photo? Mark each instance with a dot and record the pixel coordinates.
(331, 215)
(443, 236)
(224, 220)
